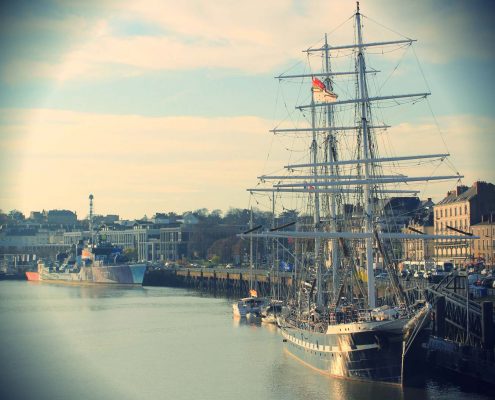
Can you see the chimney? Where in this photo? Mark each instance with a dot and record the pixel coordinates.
(480, 185)
(460, 189)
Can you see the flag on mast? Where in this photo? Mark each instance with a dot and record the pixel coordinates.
(321, 93)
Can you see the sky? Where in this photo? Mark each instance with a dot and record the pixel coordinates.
(158, 105)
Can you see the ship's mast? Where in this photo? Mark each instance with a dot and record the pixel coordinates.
(331, 182)
(251, 254)
(363, 94)
(275, 266)
(316, 214)
(331, 146)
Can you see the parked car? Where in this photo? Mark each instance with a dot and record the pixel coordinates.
(488, 282)
(382, 275)
(419, 274)
(404, 273)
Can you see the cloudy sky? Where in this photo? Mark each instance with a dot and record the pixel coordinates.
(158, 105)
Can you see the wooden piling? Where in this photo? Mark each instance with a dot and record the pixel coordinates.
(487, 329)
(440, 317)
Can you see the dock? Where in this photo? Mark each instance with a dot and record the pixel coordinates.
(462, 336)
(234, 282)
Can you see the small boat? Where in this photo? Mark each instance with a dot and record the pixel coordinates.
(249, 307)
(252, 306)
(270, 313)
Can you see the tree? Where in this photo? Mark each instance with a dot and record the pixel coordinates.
(201, 213)
(4, 218)
(215, 217)
(16, 215)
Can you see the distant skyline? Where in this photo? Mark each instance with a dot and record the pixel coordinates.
(159, 106)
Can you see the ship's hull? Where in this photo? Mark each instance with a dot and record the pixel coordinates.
(119, 274)
(32, 276)
(366, 352)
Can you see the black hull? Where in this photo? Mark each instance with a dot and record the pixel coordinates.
(373, 355)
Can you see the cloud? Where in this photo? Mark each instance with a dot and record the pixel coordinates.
(61, 156)
(467, 138)
(445, 30)
(137, 164)
(250, 37)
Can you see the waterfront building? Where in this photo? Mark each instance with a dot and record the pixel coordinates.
(76, 237)
(458, 212)
(173, 243)
(484, 247)
(418, 249)
(37, 217)
(422, 221)
(61, 217)
(397, 214)
(105, 219)
(190, 219)
(143, 237)
(31, 240)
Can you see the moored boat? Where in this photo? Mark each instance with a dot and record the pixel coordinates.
(97, 264)
(272, 311)
(249, 306)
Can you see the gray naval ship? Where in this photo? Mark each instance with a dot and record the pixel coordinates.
(101, 263)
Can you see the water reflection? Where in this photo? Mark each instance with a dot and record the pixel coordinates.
(245, 321)
(151, 343)
(99, 291)
(303, 382)
(270, 327)
(342, 389)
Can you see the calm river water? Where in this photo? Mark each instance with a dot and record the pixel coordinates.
(107, 342)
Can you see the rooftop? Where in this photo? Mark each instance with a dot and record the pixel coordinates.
(463, 193)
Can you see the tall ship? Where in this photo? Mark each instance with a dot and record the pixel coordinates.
(337, 320)
(101, 263)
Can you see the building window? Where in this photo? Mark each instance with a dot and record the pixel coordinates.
(455, 211)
